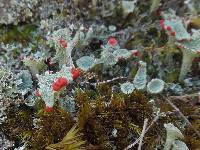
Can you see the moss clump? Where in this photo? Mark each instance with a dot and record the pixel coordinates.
(72, 141)
(21, 34)
(105, 120)
(51, 128)
(38, 127)
(99, 116)
(192, 113)
(18, 122)
(192, 140)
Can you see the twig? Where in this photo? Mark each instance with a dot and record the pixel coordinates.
(186, 96)
(137, 140)
(107, 81)
(157, 117)
(184, 118)
(114, 79)
(143, 133)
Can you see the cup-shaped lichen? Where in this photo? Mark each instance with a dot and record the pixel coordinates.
(140, 79)
(179, 145)
(173, 133)
(155, 86)
(190, 50)
(127, 88)
(189, 44)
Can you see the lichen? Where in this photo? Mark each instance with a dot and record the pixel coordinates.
(78, 74)
(15, 11)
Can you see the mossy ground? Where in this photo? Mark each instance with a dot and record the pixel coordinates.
(99, 113)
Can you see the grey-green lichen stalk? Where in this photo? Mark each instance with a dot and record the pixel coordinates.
(190, 50)
(173, 133)
(186, 63)
(188, 43)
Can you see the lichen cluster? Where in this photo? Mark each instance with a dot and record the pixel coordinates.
(14, 11)
(105, 75)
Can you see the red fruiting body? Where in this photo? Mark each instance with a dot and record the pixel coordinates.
(49, 109)
(165, 27)
(162, 22)
(63, 43)
(112, 42)
(75, 73)
(182, 40)
(37, 93)
(135, 52)
(56, 86)
(62, 81)
(59, 84)
(196, 60)
(158, 12)
(173, 33)
(169, 28)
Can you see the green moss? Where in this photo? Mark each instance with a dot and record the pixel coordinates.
(98, 117)
(72, 141)
(193, 142)
(124, 113)
(191, 112)
(21, 34)
(52, 127)
(19, 121)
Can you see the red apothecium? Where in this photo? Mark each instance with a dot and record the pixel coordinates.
(75, 73)
(59, 83)
(112, 41)
(63, 43)
(49, 109)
